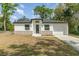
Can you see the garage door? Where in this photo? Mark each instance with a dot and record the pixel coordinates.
(58, 29)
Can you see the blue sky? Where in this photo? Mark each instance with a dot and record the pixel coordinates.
(26, 9)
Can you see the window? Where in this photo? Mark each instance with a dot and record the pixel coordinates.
(26, 27)
(46, 27)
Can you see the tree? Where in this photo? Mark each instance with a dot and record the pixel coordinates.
(58, 12)
(43, 11)
(66, 12)
(1, 23)
(8, 9)
(69, 12)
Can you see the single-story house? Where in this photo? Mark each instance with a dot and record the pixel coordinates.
(39, 27)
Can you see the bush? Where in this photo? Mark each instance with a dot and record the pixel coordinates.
(75, 32)
(10, 27)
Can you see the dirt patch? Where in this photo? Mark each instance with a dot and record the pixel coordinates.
(28, 45)
(8, 39)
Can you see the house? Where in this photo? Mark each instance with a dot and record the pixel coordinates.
(39, 27)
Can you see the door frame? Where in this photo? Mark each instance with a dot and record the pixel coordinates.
(37, 29)
(34, 30)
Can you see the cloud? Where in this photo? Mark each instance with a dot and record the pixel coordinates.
(20, 11)
(32, 11)
(35, 16)
(21, 5)
(14, 17)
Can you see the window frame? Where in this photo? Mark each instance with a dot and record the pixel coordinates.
(46, 27)
(27, 27)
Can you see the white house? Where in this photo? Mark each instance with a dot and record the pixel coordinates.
(39, 27)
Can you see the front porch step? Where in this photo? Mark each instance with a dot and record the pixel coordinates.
(36, 35)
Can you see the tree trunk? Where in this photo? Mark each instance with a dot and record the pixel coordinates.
(4, 18)
(4, 25)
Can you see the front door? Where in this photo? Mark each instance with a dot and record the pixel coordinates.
(37, 28)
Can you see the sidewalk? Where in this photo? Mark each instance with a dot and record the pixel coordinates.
(74, 42)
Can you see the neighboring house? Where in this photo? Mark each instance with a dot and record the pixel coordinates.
(39, 27)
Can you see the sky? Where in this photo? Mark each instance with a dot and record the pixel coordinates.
(26, 9)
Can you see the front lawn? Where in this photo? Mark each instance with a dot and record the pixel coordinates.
(22, 45)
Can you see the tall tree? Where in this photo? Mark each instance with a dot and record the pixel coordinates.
(58, 12)
(66, 12)
(8, 9)
(1, 22)
(43, 11)
(69, 12)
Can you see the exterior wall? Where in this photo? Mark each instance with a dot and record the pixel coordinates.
(23, 32)
(54, 28)
(46, 32)
(60, 28)
(20, 29)
(34, 27)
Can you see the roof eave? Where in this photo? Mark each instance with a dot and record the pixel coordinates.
(20, 22)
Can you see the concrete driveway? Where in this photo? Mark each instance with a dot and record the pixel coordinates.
(74, 42)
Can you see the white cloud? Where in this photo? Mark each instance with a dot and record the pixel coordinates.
(21, 5)
(14, 17)
(20, 11)
(35, 16)
(33, 11)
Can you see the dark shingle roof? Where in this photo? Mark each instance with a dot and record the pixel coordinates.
(26, 20)
(52, 21)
